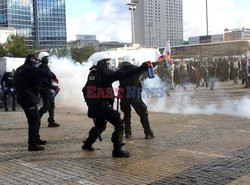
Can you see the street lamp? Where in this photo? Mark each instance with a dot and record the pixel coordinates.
(132, 7)
(207, 17)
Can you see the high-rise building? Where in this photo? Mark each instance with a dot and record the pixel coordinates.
(157, 21)
(41, 22)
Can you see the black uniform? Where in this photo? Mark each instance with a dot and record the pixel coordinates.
(100, 105)
(7, 84)
(136, 102)
(27, 88)
(46, 94)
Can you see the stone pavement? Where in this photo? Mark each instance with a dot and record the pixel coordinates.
(187, 149)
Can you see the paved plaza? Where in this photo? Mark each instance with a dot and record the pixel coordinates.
(187, 149)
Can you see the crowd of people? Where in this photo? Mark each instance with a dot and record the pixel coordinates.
(205, 71)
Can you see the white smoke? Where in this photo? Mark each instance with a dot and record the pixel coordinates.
(187, 102)
(72, 77)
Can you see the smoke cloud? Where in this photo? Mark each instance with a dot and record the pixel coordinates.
(72, 77)
(193, 101)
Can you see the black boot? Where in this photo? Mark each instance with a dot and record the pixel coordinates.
(87, 146)
(35, 148)
(42, 142)
(53, 124)
(117, 139)
(51, 119)
(149, 136)
(118, 152)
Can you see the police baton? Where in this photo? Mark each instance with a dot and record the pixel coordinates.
(117, 105)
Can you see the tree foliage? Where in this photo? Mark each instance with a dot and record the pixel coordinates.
(3, 52)
(82, 54)
(16, 46)
(60, 52)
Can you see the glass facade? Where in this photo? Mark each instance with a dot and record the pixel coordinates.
(41, 22)
(51, 23)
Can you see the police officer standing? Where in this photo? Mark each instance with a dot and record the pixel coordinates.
(99, 97)
(7, 84)
(46, 89)
(136, 102)
(27, 87)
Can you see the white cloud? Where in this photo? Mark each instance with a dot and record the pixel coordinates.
(221, 14)
(112, 21)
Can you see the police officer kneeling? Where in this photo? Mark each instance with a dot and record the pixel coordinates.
(100, 106)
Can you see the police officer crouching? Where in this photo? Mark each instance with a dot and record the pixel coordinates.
(100, 106)
(136, 101)
(26, 83)
(45, 90)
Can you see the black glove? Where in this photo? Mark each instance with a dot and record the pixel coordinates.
(144, 66)
(55, 88)
(111, 102)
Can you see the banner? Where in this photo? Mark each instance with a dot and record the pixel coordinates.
(167, 52)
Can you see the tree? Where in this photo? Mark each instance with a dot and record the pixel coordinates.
(16, 46)
(82, 54)
(3, 52)
(60, 52)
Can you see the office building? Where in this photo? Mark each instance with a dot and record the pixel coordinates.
(237, 34)
(156, 22)
(41, 22)
(86, 40)
(205, 39)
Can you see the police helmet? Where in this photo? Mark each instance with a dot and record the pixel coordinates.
(128, 58)
(97, 57)
(43, 54)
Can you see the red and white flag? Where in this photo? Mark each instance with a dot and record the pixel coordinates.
(167, 52)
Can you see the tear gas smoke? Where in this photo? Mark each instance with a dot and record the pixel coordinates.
(187, 102)
(72, 77)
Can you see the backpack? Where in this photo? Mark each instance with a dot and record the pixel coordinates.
(18, 80)
(94, 80)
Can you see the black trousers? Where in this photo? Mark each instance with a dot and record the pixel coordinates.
(34, 123)
(12, 93)
(48, 105)
(102, 115)
(140, 109)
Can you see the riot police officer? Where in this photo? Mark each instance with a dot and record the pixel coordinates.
(46, 88)
(8, 88)
(136, 102)
(99, 97)
(27, 87)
